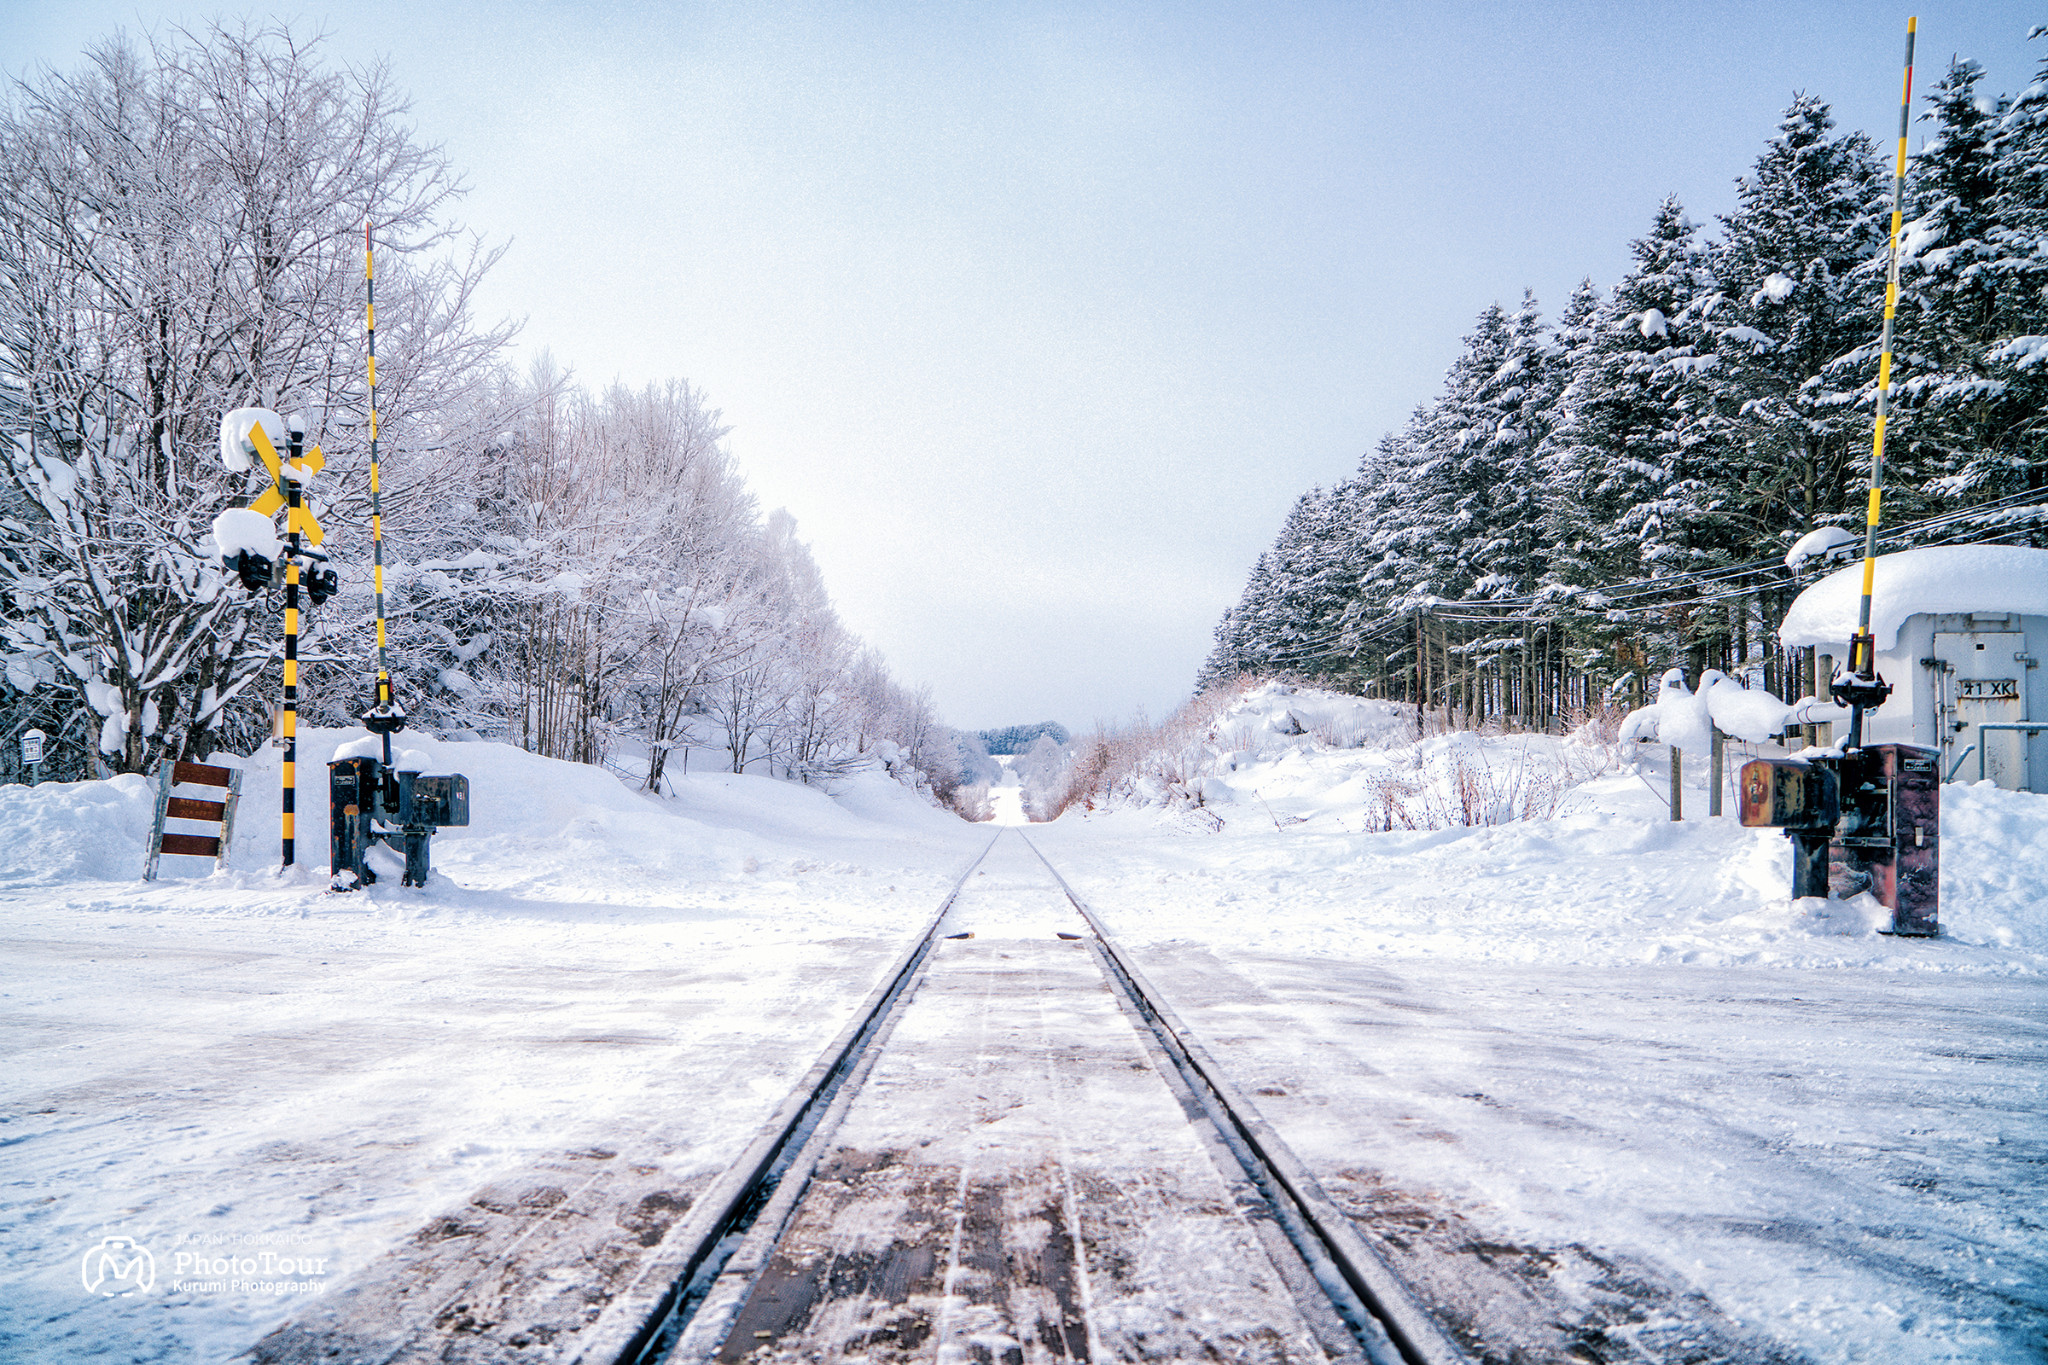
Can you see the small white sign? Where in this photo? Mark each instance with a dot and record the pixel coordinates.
(32, 746)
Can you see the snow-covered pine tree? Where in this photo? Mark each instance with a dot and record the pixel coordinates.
(1286, 618)
(1634, 437)
(1786, 429)
(1632, 454)
(1948, 307)
(1236, 647)
(1387, 552)
(1476, 483)
(2013, 446)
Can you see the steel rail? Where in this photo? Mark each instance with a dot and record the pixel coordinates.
(1381, 1312)
(683, 1300)
(645, 1320)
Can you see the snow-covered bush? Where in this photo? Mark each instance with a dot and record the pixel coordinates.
(1281, 752)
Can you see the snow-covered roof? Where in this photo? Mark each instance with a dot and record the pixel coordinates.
(1980, 578)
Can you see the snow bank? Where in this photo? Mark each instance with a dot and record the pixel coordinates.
(243, 1055)
(74, 831)
(1988, 578)
(538, 826)
(1994, 881)
(1504, 849)
(1281, 755)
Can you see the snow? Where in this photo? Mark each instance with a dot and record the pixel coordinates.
(238, 1055)
(59, 477)
(1747, 713)
(1822, 543)
(1006, 797)
(236, 452)
(1685, 719)
(1940, 578)
(1549, 1014)
(2021, 352)
(363, 746)
(239, 529)
(1688, 719)
(103, 697)
(1777, 288)
(1612, 1036)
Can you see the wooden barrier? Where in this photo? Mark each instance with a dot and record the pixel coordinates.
(220, 813)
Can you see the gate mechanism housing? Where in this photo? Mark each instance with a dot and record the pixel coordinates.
(1868, 820)
(368, 802)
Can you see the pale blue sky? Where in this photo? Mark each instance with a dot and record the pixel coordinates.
(1039, 316)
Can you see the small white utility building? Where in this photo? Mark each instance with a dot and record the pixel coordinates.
(1961, 631)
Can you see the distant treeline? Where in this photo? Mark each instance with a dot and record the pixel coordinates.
(1015, 739)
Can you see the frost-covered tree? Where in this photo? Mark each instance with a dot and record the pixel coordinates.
(180, 234)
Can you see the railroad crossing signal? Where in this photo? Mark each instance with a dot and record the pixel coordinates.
(243, 433)
(300, 517)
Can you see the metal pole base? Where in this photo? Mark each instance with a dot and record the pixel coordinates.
(418, 840)
(1809, 863)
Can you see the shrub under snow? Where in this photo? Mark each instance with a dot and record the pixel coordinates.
(1274, 751)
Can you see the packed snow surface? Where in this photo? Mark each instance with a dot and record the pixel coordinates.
(1486, 976)
(1938, 578)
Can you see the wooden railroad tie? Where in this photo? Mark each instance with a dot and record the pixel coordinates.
(220, 814)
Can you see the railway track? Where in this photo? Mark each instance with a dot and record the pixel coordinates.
(842, 1233)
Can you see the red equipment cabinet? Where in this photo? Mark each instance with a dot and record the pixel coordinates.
(1877, 813)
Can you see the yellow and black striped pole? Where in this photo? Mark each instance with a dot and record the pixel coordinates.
(295, 443)
(1864, 687)
(384, 699)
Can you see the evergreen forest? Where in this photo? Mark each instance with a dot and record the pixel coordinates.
(1592, 500)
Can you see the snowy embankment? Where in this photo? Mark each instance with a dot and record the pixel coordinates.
(1606, 1047)
(240, 1060)
(1350, 835)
